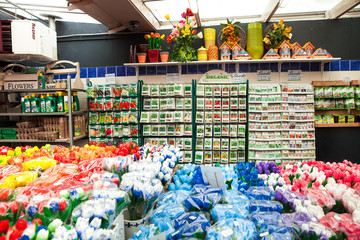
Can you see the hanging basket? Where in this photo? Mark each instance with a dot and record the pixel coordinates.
(242, 36)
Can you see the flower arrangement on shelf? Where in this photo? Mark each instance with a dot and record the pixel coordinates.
(230, 33)
(183, 36)
(277, 35)
(154, 40)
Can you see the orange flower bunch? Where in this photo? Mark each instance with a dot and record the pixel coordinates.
(230, 33)
(274, 38)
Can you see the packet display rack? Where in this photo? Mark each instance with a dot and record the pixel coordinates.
(281, 122)
(113, 113)
(221, 122)
(167, 116)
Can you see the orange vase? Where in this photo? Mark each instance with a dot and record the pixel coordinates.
(141, 57)
(213, 53)
(164, 56)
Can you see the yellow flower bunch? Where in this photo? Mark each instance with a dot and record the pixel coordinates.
(230, 33)
(274, 38)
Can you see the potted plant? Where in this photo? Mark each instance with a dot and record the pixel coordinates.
(154, 40)
(232, 33)
(183, 36)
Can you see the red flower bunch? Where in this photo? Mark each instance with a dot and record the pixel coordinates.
(4, 226)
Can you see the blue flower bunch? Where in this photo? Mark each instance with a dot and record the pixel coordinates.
(148, 232)
(248, 176)
(236, 228)
(265, 218)
(274, 231)
(173, 197)
(260, 193)
(267, 168)
(190, 225)
(236, 198)
(227, 211)
(230, 176)
(203, 198)
(265, 206)
(185, 177)
(100, 208)
(170, 211)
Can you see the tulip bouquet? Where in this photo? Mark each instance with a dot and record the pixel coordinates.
(248, 176)
(154, 40)
(183, 35)
(190, 174)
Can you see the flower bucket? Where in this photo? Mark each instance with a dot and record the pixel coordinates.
(132, 226)
(153, 55)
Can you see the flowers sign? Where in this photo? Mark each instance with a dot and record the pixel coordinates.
(183, 36)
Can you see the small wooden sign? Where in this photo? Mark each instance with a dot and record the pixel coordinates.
(21, 85)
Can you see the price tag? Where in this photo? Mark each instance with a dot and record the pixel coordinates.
(110, 78)
(264, 75)
(227, 232)
(294, 75)
(264, 234)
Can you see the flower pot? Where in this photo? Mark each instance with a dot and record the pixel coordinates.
(255, 45)
(141, 57)
(164, 56)
(132, 226)
(153, 55)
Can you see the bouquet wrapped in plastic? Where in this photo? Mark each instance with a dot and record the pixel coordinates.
(203, 198)
(227, 229)
(265, 206)
(19, 179)
(39, 164)
(271, 231)
(260, 193)
(170, 211)
(341, 223)
(173, 197)
(148, 232)
(288, 197)
(319, 197)
(236, 198)
(261, 218)
(308, 208)
(226, 211)
(189, 225)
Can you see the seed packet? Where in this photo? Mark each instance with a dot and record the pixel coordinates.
(216, 143)
(200, 90)
(200, 103)
(217, 117)
(217, 103)
(170, 129)
(154, 117)
(199, 157)
(208, 130)
(337, 92)
(233, 157)
(187, 117)
(107, 91)
(102, 118)
(200, 131)
(252, 98)
(109, 118)
(225, 117)
(133, 90)
(162, 141)
(93, 118)
(225, 103)
(169, 117)
(225, 130)
(242, 89)
(94, 131)
(163, 104)
(133, 117)
(187, 156)
(170, 90)
(187, 103)
(163, 90)
(187, 143)
(154, 130)
(209, 103)
(118, 131)
(99, 91)
(234, 103)
(328, 92)
(224, 157)
(117, 118)
(187, 89)
(116, 91)
(99, 105)
(178, 116)
(349, 103)
(217, 130)
(125, 117)
(125, 104)
(233, 117)
(233, 131)
(199, 117)
(155, 90)
(241, 130)
(180, 143)
(357, 103)
(241, 143)
(233, 144)
(145, 90)
(208, 144)
(133, 104)
(200, 144)
(242, 116)
(234, 90)
(126, 131)
(147, 130)
(179, 129)
(170, 103)
(208, 157)
(208, 117)
(102, 130)
(224, 144)
(178, 90)
(357, 92)
(147, 104)
(208, 90)
(242, 103)
(216, 156)
(225, 90)
(188, 129)
(125, 90)
(351, 118)
(217, 90)
(342, 118)
(162, 117)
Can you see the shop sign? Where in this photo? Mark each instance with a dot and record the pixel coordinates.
(110, 78)
(239, 77)
(21, 85)
(216, 76)
(294, 75)
(264, 75)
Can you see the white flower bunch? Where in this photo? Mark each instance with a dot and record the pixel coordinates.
(272, 180)
(308, 208)
(318, 228)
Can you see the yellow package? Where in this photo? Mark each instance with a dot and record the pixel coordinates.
(4, 159)
(39, 164)
(20, 179)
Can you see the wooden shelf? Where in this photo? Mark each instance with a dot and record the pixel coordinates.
(332, 112)
(355, 82)
(330, 83)
(354, 112)
(331, 125)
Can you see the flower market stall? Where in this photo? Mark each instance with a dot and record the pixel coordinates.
(83, 193)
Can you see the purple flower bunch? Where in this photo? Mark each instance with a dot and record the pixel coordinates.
(267, 168)
(288, 196)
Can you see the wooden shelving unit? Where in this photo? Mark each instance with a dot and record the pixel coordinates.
(330, 84)
(332, 112)
(332, 125)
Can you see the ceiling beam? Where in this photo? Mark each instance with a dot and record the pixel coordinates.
(78, 5)
(270, 10)
(341, 8)
(117, 29)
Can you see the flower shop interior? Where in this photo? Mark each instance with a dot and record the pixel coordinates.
(187, 119)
